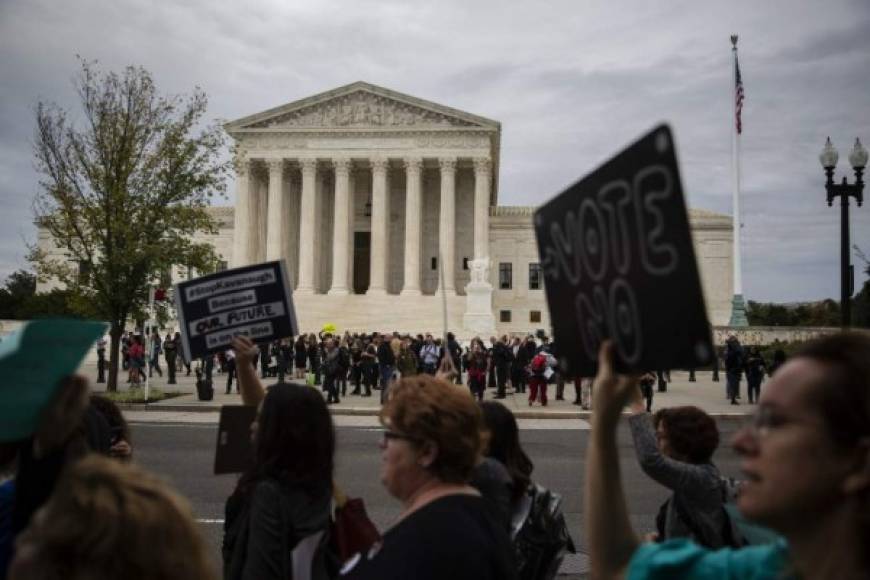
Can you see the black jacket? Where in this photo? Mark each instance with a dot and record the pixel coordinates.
(261, 531)
(501, 354)
(385, 355)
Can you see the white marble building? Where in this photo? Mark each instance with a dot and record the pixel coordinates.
(362, 190)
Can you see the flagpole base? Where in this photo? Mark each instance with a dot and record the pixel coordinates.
(738, 311)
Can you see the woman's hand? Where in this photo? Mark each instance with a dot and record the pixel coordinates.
(611, 391)
(121, 449)
(610, 539)
(250, 387)
(245, 349)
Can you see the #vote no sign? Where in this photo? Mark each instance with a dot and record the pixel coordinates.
(253, 301)
(618, 263)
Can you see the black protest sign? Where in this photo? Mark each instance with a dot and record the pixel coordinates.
(618, 263)
(234, 447)
(253, 301)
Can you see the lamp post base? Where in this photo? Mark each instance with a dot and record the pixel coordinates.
(738, 311)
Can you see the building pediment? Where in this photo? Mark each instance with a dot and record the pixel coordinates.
(361, 106)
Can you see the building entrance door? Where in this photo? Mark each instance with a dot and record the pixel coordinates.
(362, 245)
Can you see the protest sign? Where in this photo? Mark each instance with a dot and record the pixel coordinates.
(253, 301)
(234, 448)
(618, 263)
(33, 360)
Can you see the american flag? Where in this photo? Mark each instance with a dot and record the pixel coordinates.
(738, 96)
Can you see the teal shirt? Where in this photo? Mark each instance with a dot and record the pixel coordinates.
(681, 558)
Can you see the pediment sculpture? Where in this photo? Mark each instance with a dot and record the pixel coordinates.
(362, 109)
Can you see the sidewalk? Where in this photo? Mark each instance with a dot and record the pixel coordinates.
(703, 393)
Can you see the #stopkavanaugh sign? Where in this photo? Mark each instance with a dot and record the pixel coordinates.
(618, 263)
(253, 301)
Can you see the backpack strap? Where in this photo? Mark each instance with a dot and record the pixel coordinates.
(690, 522)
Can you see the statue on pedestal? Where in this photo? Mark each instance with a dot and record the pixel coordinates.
(478, 318)
(480, 272)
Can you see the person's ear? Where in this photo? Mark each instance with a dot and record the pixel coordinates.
(859, 479)
(428, 455)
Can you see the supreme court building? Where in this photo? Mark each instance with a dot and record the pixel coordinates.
(363, 191)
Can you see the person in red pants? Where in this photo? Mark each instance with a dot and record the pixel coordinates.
(538, 378)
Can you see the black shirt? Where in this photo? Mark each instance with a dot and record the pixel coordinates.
(456, 537)
(385, 355)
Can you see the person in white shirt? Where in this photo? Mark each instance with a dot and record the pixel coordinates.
(230, 356)
(430, 354)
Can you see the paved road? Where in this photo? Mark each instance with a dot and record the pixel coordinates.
(184, 453)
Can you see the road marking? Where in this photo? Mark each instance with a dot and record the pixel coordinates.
(373, 425)
(364, 422)
(177, 425)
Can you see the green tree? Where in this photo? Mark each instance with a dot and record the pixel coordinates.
(861, 301)
(56, 303)
(124, 193)
(20, 286)
(823, 313)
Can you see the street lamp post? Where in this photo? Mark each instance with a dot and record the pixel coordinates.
(858, 159)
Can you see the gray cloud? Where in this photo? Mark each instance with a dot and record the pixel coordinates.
(570, 82)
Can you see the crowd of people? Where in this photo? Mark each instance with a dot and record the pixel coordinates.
(749, 362)
(360, 363)
(76, 506)
(141, 353)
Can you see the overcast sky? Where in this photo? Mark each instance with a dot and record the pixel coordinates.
(571, 82)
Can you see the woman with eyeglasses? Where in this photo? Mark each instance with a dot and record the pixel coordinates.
(806, 461)
(675, 447)
(446, 531)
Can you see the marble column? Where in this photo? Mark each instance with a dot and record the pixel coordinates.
(482, 184)
(259, 211)
(413, 225)
(241, 221)
(307, 219)
(380, 227)
(341, 227)
(447, 225)
(275, 217)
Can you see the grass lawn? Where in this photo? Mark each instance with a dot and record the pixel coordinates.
(137, 395)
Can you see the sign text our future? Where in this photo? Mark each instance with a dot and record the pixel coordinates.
(235, 317)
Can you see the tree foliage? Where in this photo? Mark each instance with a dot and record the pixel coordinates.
(20, 301)
(124, 193)
(861, 301)
(821, 313)
(19, 288)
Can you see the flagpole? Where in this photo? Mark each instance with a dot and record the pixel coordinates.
(149, 330)
(738, 306)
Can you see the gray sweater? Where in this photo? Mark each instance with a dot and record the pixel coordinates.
(697, 487)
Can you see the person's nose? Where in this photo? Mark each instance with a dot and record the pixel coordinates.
(745, 441)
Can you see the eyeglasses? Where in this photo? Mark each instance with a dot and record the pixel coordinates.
(767, 419)
(392, 435)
